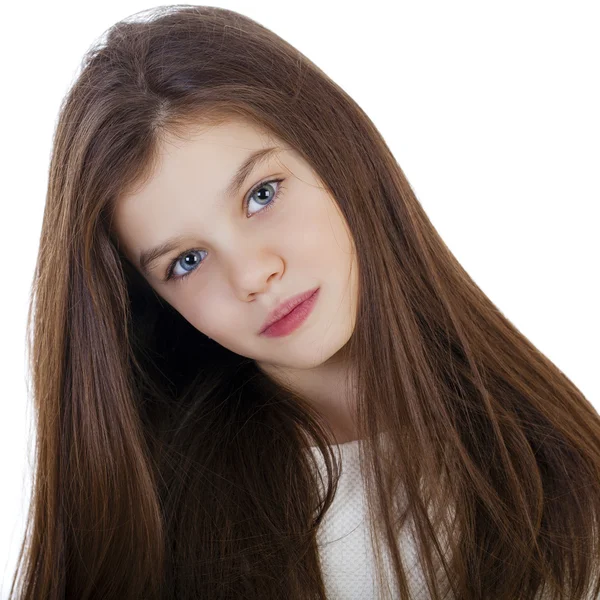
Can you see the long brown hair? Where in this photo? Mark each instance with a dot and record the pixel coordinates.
(170, 467)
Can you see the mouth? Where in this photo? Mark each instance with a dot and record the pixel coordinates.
(289, 315)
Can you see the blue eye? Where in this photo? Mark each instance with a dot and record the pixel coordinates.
(267, 203)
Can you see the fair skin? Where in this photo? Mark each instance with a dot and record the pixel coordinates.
(241, 260)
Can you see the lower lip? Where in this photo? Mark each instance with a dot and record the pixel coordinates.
(294, 319)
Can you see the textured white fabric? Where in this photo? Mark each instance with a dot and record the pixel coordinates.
(347, 559)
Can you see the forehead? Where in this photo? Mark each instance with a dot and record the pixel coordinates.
(192, 169)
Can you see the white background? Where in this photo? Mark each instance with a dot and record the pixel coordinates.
(492, 110)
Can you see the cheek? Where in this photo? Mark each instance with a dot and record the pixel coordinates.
(202, 315)
(336, 243)
(221, 319)
(313, 230)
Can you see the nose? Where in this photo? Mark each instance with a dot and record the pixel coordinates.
(254, 276)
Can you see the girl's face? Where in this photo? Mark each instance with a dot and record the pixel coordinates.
(240, 251)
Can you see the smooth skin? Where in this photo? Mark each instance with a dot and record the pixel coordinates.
(242, 255)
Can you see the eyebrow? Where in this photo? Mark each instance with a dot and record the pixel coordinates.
(150, 256)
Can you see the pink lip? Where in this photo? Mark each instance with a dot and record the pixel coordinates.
(289, 315)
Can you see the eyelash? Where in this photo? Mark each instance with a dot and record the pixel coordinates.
(280, 188)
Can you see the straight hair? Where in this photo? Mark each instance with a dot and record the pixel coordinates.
(168, 467)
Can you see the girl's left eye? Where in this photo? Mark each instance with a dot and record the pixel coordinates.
(269, 202)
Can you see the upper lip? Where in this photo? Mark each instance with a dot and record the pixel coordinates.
(286, 307)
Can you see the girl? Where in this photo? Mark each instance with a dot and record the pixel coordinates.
(258, 370)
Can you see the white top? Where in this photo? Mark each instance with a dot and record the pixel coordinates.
(345, 552)
(347, 559)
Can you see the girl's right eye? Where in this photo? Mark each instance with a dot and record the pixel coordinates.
(169, 275)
